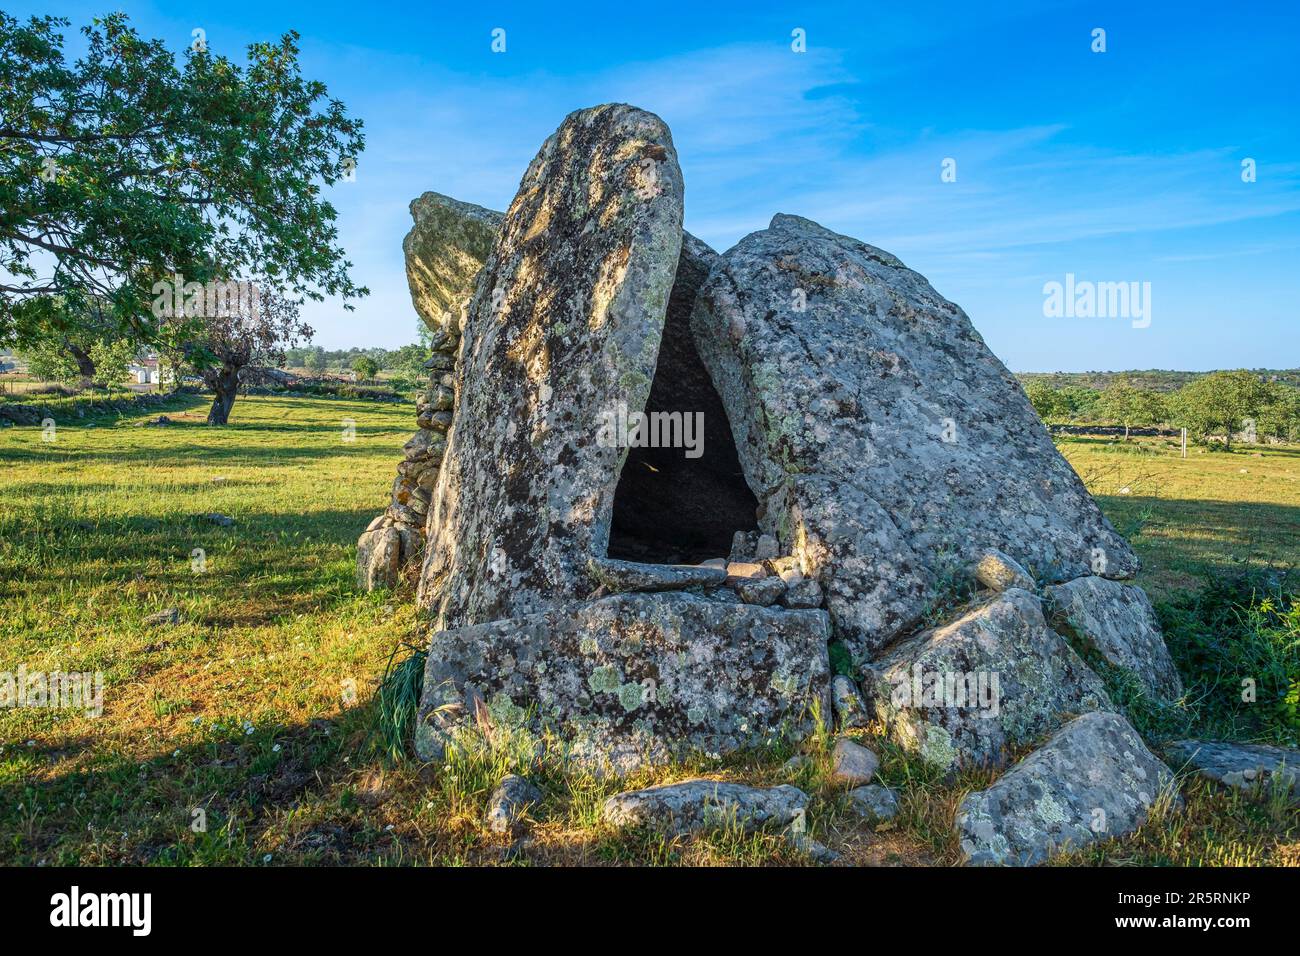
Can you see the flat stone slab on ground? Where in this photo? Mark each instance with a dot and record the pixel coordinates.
(706, 804)
(1243, 766)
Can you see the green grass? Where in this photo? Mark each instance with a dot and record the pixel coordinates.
(261, 717)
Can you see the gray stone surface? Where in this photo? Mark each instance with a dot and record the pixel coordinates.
(706, 804)
(445, 249)
(901, 447)
(619, 576)
(874, 803)
(509, 802)
(997, 677)
(1244, 766)
(805, 593)
(761, 591)
(1116, 620)
(999, 572)
(1094, 779)
(852, 763)
(850, 708)
(564, 324)
(632, 679)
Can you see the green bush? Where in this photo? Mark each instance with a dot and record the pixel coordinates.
(1238, 639)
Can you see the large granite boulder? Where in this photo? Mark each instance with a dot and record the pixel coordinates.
(632, 679)
(902, 448)
(1244, 766)
(996, 678)
(445, 250)
(564, 324)
(1094, 779)
(1117, 621)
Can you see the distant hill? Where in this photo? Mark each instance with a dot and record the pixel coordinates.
(1156, 380)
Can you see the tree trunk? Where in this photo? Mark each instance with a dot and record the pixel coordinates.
(85, 367)
(1126, 432)
(225, 383)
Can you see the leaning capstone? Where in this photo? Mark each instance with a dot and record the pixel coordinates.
(705, 804)
(564, 326)
(998, 677)
(998, 572)
(509, 802)
(1116, 620)
(631, 679)
(880, 433)
(1244, 766)
(874, 803)
(447, 245)
(1094, 779)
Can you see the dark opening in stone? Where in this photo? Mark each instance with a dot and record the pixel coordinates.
(669, 508)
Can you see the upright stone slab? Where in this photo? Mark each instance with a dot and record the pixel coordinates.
(886, 444)
(564, 326)
(632, 679)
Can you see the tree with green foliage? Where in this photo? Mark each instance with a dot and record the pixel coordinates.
(1131, 407)
(1221, 402)
(124, 169)
(365, 367)
(1047, 401)
(314, 360)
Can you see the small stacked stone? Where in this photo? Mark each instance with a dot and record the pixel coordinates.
(394, 541)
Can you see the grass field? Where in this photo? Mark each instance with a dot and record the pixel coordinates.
(248, 732)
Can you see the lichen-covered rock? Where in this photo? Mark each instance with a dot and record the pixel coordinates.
(509, 802)
(847, 700)
(1116, 620)
(963, 694)
(379, 553)
(998, 572)
(564, 324)
(619, 576)
(1094, 779)
(445, 250)
(1244, 766)
(805, 593)
(874, 803)
(762, 591)
(632, 678)
(901, 446)
(704, 805)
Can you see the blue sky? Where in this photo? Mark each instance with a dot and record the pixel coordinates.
(1116, 166)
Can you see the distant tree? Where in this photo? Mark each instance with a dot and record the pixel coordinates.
(123, 164)
(365, 367)
(1220, 402)
(1047, 401)
(1279, 415)
(103, 361)
(408, 362)
(252, 335)
(1132, 407)
(314, 360)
